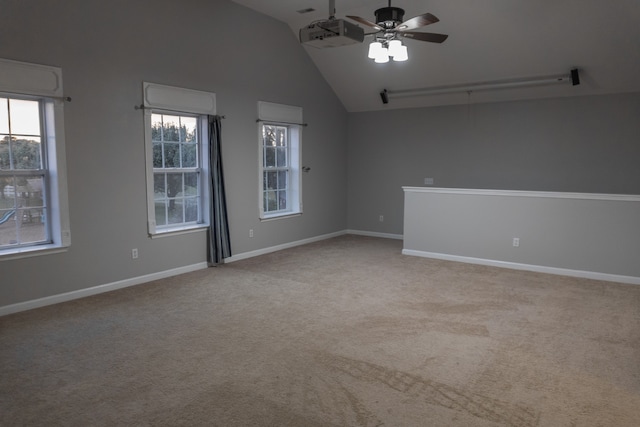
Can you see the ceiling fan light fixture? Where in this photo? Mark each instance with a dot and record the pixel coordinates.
(382, 56)
(395, 46)
(390, 27)
(401, 55)
(374, 48)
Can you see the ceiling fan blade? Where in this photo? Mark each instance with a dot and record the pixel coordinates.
(364, 22)
(425, 37)
(418, 21)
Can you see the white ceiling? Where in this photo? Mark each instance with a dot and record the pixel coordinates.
(489, 40)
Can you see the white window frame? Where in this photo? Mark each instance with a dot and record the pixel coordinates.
(290, 117)
(175, 101)
(44, 83)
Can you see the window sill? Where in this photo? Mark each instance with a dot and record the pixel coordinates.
(31, 251)
(179, 230)
(280, 216)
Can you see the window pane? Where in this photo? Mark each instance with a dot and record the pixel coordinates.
(25, 117)
(191, 210)
(159, 187)
(174, 184)
(282, 200)
(26, 153)
(281, 136)
(161, 215)
(30, 191)
(40, 215)
(4, 115)
(23, 212)
(191, 184)
(7, 192)
(268, 135)
(22, 191)
(270, 157)
(271, 201)
(156, 127)
(281, 156)
(8, 229)
(22, 226)
(282, 180)
(175, 211)
(272, 180)
(5, 153)
(188, 129)
(157, 155)
(189, 155)
(171, 128)
(171, 155)
(32, 228)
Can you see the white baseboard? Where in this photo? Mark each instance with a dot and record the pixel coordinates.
(527, 267)
(276, 248)
(81, 293)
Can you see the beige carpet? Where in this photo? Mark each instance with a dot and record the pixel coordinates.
(344, 332)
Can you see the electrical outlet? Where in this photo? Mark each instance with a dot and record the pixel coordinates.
(381, 218)
(134, 253)
(428, 181)
(251, 232)
(516, 242)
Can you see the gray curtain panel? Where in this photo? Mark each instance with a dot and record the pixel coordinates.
(219, 242)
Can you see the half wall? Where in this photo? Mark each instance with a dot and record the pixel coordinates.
(577, 234)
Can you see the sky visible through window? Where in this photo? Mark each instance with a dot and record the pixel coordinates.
(19, 116)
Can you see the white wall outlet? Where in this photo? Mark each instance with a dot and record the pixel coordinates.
(381, 218)
(428, 181)
(134, 253)
(516, 242)
(251, 232)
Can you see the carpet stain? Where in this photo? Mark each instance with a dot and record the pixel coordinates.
(364, 417)
(435, 393)
(320, 395)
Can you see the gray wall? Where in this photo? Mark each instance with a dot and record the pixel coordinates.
(106, 49)
(582, 144)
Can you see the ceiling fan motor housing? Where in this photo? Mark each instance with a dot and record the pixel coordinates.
(389, 17)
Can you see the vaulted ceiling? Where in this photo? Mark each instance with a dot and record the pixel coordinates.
(493, 40)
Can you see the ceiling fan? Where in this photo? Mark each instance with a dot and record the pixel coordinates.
(390, 27)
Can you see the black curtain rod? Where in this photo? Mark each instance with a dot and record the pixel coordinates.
(57, 98)
(283, 123)
(142, 107)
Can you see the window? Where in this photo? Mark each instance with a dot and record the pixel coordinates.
(23, 178)
(177, 157)
(33, 195)
(177, 192)
(280, 183)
